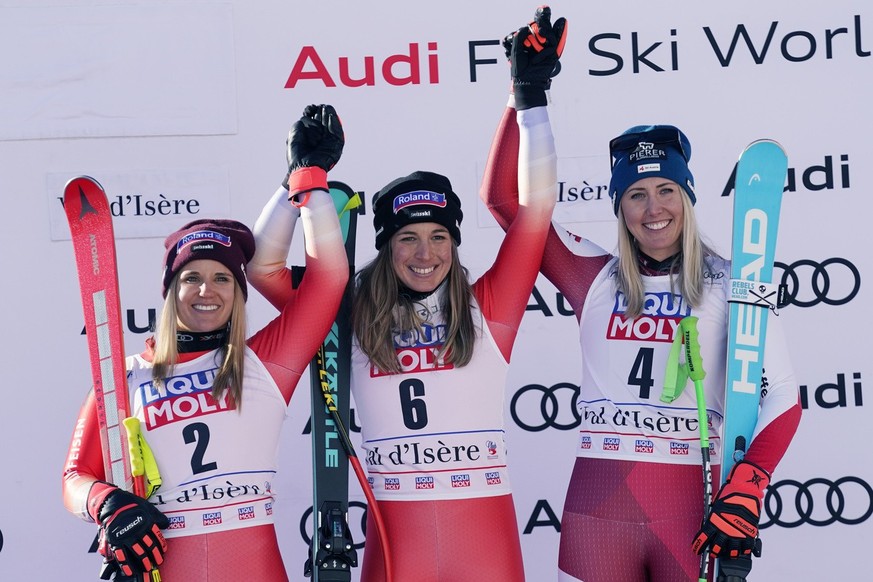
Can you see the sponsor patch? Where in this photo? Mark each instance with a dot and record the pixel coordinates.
(212, 518)
(611, 444)
(644, 446)
(419, 197)
(247, 512)
(203, 236)
(679, 448)
(424, 482)
(462, 480)
(492, 478)
(177, 522)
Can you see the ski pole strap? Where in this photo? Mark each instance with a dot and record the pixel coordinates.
(676, 374)
(769, 295)
(142, 460)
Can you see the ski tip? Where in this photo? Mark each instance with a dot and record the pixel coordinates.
(83, 178)
(761, 144)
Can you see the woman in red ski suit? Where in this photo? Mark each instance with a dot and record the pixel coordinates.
(634, 503)
(210, 401)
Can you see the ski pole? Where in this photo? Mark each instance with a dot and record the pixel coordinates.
(674, 382)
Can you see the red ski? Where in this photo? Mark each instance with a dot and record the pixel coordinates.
(90, 221)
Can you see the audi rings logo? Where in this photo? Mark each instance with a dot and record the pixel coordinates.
(358, 533)
(834, 281)
(818, 502)
(535, 407)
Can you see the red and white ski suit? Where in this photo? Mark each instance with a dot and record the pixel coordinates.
(217, 459)
(450, 514)
(634, 501)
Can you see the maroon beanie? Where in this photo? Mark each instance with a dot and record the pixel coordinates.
(229, 242)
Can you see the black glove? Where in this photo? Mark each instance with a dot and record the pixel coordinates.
(731, 528)
(130, 533)
(315, 144)
(533, 51)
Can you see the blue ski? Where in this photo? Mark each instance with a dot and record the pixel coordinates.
(758, 185)
(760, 179)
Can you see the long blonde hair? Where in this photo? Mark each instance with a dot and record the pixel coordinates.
(232, 355)
(379, 311)
(687, 277)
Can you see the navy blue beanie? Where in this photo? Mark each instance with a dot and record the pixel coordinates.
(646, 151)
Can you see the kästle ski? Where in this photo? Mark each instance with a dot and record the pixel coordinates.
(758, 186)
(332, 552)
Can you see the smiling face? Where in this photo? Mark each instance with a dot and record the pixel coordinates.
(421, 254)
(205, 298)
(653, 212)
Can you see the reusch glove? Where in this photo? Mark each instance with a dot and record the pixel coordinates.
(314, 146)
(130, 532)
(534, 52)
(731, 528)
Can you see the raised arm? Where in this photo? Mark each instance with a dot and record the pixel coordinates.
(287, 344)
(504, 290)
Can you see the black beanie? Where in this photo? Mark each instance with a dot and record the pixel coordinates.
(419, 197)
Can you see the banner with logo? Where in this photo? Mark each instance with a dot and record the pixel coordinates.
(181, 110)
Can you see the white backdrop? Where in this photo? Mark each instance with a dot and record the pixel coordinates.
(181, 110)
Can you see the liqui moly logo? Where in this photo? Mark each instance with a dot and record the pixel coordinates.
(424, 482)
(657, 322)
(177, 522)
(492, 478)
(679, 448)
(418, 360)
(212, 518)
(585, 442)
(247, 512)
(392, 484)
(269, 507)
(644, 446)
(611, 444)
(462, 480)
(182, 397)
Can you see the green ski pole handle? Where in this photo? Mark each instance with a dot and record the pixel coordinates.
(694, 364)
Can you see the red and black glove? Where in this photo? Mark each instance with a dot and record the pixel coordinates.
(731, 528)
(533, 52)
(314, 146)
(130, 531)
